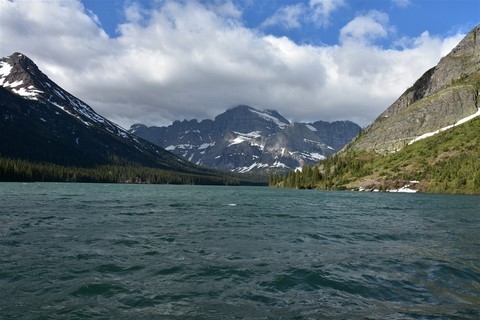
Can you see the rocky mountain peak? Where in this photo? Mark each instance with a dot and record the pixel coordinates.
(470, 45)
(242, 117)
(459, 65)
(245, 139)
(21, 64)
(20, 75)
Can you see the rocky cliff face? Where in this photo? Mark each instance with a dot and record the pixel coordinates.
(441, 97)
(244, 139)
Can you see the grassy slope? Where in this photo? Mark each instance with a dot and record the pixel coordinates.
(448, 162)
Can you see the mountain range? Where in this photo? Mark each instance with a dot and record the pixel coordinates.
(42, 123)
(244, 139)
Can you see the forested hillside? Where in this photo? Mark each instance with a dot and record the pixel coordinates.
(395, 154)
(448, 162)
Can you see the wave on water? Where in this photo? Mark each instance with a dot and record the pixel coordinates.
(184, 252)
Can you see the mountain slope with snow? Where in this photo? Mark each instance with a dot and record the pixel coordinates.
(244, 139)
(41, 122)
(440, 98)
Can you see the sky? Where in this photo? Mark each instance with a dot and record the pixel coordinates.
(156, 61)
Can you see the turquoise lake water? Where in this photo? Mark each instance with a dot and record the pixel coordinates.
(95, 251)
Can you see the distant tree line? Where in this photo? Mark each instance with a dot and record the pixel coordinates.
(27, 171)
(329, 174)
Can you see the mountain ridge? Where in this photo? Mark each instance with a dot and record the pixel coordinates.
(426, 105)
(245, 139)
(26, 87)
(42, 123)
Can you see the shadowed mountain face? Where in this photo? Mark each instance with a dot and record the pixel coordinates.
(39, 121)
(444, 95)
(244, 139)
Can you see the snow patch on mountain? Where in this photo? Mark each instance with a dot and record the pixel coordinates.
(13, 84)
(27, 93)
(267, 116)
(251, 167)
(316, 156)
(206, 145)
(5, 69)
(245, 137)
(459, 122)
(179, 146)
(323, 145)
(312, 156)
(59, 94)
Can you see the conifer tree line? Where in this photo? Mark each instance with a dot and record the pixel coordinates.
(26, 171)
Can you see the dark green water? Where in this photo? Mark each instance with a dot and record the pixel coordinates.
(82, 251)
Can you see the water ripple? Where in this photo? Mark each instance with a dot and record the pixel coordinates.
(82, 251)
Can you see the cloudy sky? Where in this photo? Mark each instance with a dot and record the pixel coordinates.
(155, 61)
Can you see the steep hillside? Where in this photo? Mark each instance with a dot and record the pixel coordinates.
(244, 139)
(441, 97)
(428, 140)
(448, 162)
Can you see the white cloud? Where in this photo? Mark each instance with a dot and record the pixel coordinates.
(191, 60)
(225, 8)
(322, 9)
(57, 32)
(401, 3)
(366, 28)
(295, 16)
(134, 12)
(289, 17)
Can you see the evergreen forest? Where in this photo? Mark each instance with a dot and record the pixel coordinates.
(27, 171)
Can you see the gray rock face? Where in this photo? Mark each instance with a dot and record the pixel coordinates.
(441, 97)
(244, 139)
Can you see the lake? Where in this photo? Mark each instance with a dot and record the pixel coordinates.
(98, 251)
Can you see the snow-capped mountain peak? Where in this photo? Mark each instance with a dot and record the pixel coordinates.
(244, 139)
(21, 76)
(14, 76)
(50, 124)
